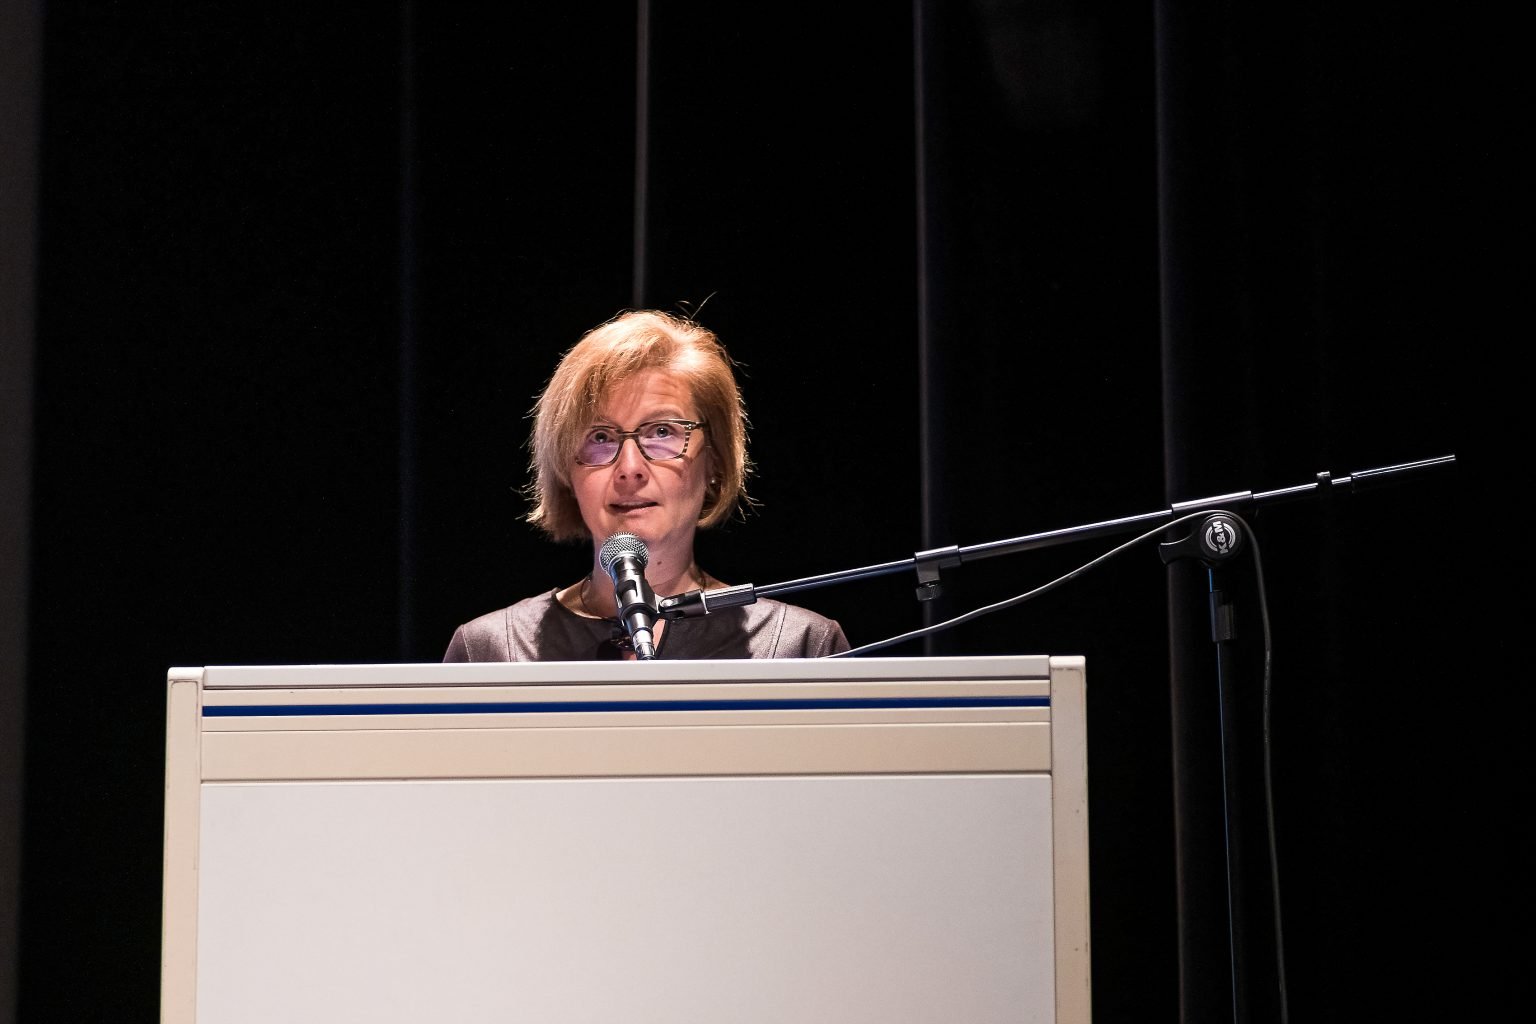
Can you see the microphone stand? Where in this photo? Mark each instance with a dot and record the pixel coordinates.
(1214, 540)
(928, 565)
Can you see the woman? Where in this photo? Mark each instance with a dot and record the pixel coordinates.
(640, 431)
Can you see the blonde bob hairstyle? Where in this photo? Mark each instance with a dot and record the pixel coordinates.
(603, 360)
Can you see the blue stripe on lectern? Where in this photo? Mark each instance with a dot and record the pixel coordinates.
(566, 706)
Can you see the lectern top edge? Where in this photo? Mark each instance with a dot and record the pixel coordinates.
(544, 673)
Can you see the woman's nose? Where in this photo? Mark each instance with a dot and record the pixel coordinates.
(630, 461)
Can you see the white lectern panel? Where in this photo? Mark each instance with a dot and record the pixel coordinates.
(893, 840)
(751, 900)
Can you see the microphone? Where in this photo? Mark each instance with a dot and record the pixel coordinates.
(624, 558)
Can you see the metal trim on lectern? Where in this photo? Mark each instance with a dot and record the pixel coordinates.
(886, 839)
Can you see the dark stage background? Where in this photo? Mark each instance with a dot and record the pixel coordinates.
(991, 268)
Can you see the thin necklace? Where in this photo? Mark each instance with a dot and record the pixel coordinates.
(587, 607)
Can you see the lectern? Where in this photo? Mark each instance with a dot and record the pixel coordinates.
(841, 840)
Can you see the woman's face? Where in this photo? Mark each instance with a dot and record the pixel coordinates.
(660, 501)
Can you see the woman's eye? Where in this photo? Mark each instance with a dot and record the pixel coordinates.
(662, 430)
(599, 437)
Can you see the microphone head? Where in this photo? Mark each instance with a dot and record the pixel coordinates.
(622, 544)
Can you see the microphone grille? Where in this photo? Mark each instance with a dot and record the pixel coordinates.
(622, 544)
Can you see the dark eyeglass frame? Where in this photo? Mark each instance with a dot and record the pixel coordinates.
(689, 426)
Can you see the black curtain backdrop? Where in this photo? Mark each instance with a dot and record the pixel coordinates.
(302, 272)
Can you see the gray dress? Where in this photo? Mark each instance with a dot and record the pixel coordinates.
(542, 629)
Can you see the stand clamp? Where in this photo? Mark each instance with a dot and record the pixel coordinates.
(928, 564)
(1216, 540)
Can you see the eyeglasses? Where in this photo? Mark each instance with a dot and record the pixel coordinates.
(657, 440)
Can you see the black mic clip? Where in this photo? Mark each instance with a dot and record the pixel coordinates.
(695, 603)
